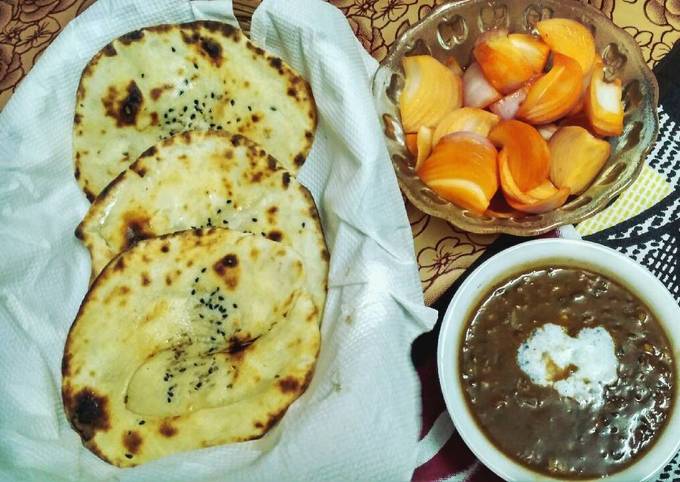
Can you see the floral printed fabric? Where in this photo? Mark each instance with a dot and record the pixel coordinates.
(26, 29)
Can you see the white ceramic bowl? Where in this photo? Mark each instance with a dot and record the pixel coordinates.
(546, 252)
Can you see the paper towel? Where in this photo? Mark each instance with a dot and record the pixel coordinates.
(360, 417)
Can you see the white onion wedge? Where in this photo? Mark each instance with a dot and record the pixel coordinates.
(507, 107)
(547, 130)
(431, 91)
(477, 91)
(424, 143)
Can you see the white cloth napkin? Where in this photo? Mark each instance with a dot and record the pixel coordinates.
(360, 417)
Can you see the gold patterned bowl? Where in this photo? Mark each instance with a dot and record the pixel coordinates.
(451, 30)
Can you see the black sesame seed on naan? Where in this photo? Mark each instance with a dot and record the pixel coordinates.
(189, 340)
(153, 83)
(202, 180)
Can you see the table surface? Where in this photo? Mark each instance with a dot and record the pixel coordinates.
(444, 253)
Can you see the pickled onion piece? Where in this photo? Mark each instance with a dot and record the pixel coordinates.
(424, 145)
(412, 143)
(603, 104)
(550, 197)
(477, 91)
(535, 51)
(462, 169)
(503, 64)
(527, 152)
(576, 157)
(507, 107)
(571, 38)
(465, 119)
(554, 94)
(431, 91)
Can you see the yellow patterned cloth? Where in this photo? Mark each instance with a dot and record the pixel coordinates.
(650, 188)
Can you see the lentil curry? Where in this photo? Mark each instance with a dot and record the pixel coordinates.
(535, 425)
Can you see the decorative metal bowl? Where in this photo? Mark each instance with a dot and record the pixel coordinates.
(451, 30)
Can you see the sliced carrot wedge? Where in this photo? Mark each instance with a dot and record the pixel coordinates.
(412, 143)
(527, 152)
(576, 158)
(424, 145)
(467, 119)
(571, 38)
(503, 64)
(431, 90)
(462, 169)
(535, 51)
(554, 94)
(477, 91)
(603, 104)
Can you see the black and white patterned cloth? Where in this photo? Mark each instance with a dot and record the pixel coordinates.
(652, 238)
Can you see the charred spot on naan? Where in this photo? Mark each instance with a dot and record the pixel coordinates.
(124, 106)
(136, 228)
(131, 37)
(276, 64)
(119, 264)
(209, 25)
(238, 343)
(290, 385)
(132, 441)
(150, 152)
(87, 411)
(109, 50)
(156, 92)
(228, 270)
(275, 235)
(66, 364)
(166, 429)
(89, 194)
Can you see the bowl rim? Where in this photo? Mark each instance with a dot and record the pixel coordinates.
(544, 252)
(596, 204)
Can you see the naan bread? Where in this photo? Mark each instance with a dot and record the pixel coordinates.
(189, 340)
(205, 179)
(152, 83)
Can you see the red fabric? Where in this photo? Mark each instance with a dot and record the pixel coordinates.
(454, 457)
(431, 394)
